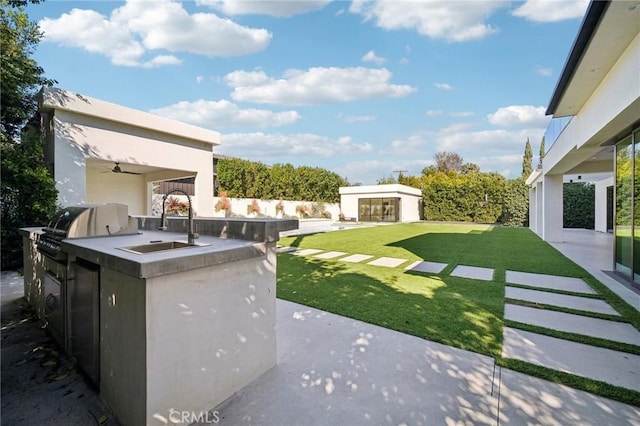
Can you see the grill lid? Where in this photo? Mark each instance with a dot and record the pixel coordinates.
(63, 219)
(92, 220)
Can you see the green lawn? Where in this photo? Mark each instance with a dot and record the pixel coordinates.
(460, 312)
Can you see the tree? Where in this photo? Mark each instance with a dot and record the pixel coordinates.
(526, 160)
(541, 153)
(447, 161)
(22, 77)
(28, 194)
(387, 180)
(469, 168)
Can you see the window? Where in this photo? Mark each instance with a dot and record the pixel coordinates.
(379, 209)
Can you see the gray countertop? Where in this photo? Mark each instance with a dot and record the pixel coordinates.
(107, 252)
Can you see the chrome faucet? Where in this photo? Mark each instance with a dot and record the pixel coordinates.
(191, 236)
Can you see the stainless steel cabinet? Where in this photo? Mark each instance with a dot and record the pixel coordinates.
(83, 316)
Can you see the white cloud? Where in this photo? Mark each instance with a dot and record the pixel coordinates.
(356, 118)
(544, 71)
(413, 144)
(219, 114)
(494, 141)
(440, 19)
(368, 172)
(434, 113)
(273, 148)
(463, 114)
(276, 8)
(133, 30)
(508, 165)
(443, 86)
(370, 56)
(404, 61)
(518, 116)
(315, 86)
(551, 10)
(199, 79)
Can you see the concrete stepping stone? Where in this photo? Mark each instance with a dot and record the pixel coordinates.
(424, 266)
(355, 258)
(286, 249)
(473, 272)
(553, 282)
(388, 262)
(570, 323)
(305, 252)
(561, 300)
(613, 367)
(330, 255)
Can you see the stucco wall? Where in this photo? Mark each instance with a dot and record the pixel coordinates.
(409, 199)
(619, 90)
(117, 188)
(88, 128)
(210, 332)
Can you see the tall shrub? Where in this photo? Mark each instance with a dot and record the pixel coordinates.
(516, 203)
(579, 205)
(473, 197)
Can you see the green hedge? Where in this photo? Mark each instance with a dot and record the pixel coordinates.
(579, 201)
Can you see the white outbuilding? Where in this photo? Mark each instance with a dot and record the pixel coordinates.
(381, 203)
(101, 152)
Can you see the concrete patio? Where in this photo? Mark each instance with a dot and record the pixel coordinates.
(336, 370)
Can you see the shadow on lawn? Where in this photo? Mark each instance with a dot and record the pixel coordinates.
(454, 311)
(498, 247)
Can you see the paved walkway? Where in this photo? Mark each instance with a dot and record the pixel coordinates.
(335, 370)
(531, 293)
(606, 365)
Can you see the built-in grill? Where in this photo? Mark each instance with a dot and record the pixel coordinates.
(84, 221)
(71, 286)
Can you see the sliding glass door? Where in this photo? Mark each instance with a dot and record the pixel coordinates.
(627, 202)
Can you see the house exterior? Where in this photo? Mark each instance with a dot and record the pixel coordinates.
(381, 203)
(594, 134)
(84, 138)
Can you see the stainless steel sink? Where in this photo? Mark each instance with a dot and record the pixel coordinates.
(159, 246)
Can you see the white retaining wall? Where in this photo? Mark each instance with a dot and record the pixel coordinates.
(239, 207)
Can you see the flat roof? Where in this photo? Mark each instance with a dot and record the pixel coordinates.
(52, 98)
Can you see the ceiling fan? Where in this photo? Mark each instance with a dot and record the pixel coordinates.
(117, 169)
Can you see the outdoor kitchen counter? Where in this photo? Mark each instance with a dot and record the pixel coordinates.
(180, 330)
(107, 252)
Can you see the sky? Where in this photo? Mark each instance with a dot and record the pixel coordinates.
(362, 88)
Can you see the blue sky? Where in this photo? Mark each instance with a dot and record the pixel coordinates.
(362, 88)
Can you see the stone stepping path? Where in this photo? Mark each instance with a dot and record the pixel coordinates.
(286, 249)
(570, 323)
(355, 258)
(388, 262)
(305, 252)
(561, 300)
(614, 367)
(428, 267)
(553, 282)
(330, 255)
(473, 272)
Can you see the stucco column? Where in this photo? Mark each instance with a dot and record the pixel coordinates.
(533, 215)
(552, 208)
(203, 190)
(539, 209)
